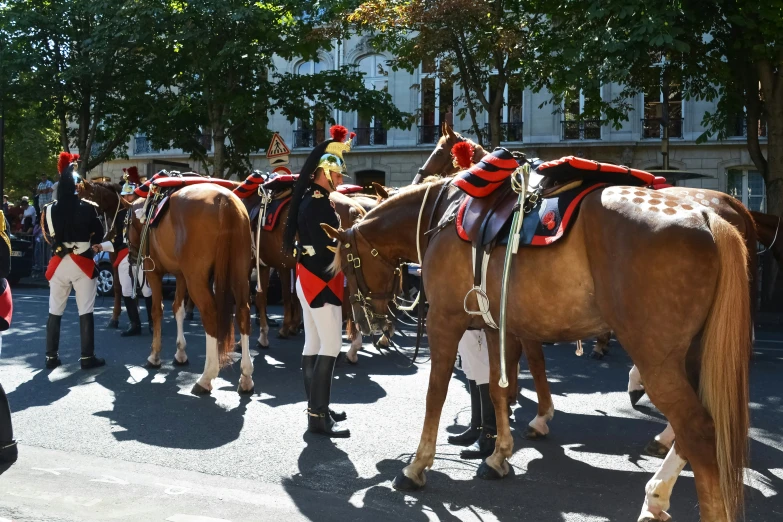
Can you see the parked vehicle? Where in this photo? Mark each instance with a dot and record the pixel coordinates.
(21, 259)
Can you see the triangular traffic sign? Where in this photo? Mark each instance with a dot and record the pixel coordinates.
(277, 147)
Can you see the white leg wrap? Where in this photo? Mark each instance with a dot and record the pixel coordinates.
(181, 356)
(211, 367)
(659, 489)
(246, 380)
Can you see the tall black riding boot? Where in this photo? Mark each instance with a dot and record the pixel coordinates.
(319, 419)
(148, 305)
(8, 451)
(485, 445)
(308, 364)
(87, 330)
(470, 435)
(134, 326)
(53, 341)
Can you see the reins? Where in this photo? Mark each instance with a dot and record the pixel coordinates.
(774, 238)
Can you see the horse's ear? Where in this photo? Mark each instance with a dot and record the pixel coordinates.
(380, 190)
(447, 130)
(333, 232)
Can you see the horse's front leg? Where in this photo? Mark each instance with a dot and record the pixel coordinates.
(538, 428)
(261, 299)
(114, 322)
(181, 357)
(444, 337)
(155, 281)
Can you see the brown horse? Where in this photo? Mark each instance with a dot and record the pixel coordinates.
(107, 197)
(694, 280)
(441, 163)
(203, 238)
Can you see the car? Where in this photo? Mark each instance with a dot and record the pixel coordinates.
(106, 277)
(21, 259)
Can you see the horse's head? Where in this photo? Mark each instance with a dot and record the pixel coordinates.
(373, 281)
(441, 161)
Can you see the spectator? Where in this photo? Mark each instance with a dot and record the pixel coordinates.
(28, 216)
(5, 204)
(45, 191)
(54, 190)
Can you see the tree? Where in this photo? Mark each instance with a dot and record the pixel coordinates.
(84, 63)
(482, 45)
(31, 148)
(222, 81)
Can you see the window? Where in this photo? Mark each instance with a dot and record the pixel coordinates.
(308, 133)
(575, 105)
(738, 127)
(365, 178)
(654, 105)
(747, 185)
(369, 128)
(511, 113)
(436, 102)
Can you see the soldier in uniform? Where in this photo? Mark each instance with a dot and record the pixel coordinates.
(319, 291)
(124, 267)
(72, 226)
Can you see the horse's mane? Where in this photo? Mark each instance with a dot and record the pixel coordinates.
(108, 185)
(350, 202)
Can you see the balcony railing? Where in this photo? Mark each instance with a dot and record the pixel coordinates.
(308, 138)
(429, 134)
(141, 145)
(740, 129)
(652, 128)
(370, 136)
(508, 131)
(581, 130)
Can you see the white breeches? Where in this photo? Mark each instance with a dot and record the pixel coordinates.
(475, 357)
(323, 327)
(126, 279)
(68, 275)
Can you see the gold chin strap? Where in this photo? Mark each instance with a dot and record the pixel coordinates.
(328, 175)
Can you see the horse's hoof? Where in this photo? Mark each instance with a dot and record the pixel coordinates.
(283, 334)
(596, 355)
(240, 391)
(403, 483)
(262, 346)
(533, 434)
(185, 363)
(189, 316)
(656, 449)
(487, 472)
(149, 366)
(199, 390)
(114, 323)
(636, 396)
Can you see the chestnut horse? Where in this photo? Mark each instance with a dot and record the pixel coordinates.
(695, 281)
(107, 197)
(441, 163)
(203, 238)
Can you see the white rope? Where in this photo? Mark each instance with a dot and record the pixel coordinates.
(418, 222)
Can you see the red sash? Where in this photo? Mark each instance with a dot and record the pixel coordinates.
(85, 265)
(312, 285)
(6, 306)
(122, 254)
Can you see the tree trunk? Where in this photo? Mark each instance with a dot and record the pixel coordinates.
(219, 138)
(773, 300)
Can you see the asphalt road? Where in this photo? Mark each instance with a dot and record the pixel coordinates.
(123, 443)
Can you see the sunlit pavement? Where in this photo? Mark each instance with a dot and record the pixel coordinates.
(125, 443)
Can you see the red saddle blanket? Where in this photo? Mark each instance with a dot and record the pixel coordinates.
(164, 180)
(546, 223)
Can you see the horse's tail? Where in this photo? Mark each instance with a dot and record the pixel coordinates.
(751, 243)
(224, 298)
(726, 340)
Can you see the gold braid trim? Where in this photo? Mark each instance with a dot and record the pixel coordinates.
(4, 232)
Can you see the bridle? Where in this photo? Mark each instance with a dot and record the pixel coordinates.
(364, 296)
(422, 173)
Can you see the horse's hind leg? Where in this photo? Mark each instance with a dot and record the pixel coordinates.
(181, 358)
(241, 291)
(538, 428)
(444, 336)
(261, 298)
(200, 290)
(155, 281)
(189, 307)
(662, 443)
(290, 325)
(635, 385)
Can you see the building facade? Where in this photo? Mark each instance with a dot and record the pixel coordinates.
(392, 156)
